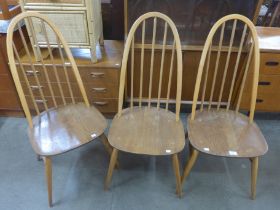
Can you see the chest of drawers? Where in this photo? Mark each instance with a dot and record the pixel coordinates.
(268, 98)
(101, 80)
(80, 21)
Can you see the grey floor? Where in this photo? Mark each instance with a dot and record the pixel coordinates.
(142, 182)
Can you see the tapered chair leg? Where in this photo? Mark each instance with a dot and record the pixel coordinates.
(190, 150)
(176, 167)
(112, 164)
(189, 165)
(254, 176)
(108, 147)
(48, 170)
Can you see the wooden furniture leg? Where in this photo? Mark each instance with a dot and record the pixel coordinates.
(190, 150)
(176, 167)
(108, 147)
(254, 175)
(189, 165)
(114, 156)
(48, 170)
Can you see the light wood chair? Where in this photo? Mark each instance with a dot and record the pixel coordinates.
(143, 128)
(220, 129)
(64, 118)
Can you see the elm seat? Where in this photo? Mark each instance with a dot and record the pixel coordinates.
(149, 131)
(226, 133)
(64, 128)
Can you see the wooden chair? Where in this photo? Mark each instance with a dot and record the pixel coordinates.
(144, 129)
(54, 93)
(222, 131)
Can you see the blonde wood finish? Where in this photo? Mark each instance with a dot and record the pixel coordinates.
(225, 132)
(48, 170)
(112, 164)
(254, 175)
(176, 168)
(145, 129)
(59, 125)
(190, 164)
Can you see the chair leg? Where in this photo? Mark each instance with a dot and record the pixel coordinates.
(48, 170)
(190, 150)
(254, 175)
(108, 147)
(114, 157)
(176, 168)
(189, 165)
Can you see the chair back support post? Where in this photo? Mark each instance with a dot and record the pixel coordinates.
(13, 53)
(129, 45)
(253, 53)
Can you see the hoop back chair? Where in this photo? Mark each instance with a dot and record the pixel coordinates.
(52, 90)
(217, 127)
(145, 127)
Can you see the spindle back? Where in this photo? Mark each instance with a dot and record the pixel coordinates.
(144, 71)
(248, 46)
(43, 81)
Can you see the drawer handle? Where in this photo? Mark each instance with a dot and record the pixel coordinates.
(272, 63)
(36, 87)
(31, 73)
(39, 101)
(264, 83)
(100, 103)
(97, 74)
(259, 100)
(99, 90)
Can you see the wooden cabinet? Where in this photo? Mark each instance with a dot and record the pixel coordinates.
(80, 21)
(268, 98)
(101, 80)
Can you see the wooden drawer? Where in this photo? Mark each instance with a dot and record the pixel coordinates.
(105, 105)
(269, 102)
(266, 84)
(72, 24)
(49, 102)
(270, 63)
(100, 76)
(93, 91)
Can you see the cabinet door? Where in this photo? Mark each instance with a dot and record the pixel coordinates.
(73, 26)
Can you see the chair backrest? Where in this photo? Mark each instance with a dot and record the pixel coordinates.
(248, 45)
(42, 79)
(145, 69)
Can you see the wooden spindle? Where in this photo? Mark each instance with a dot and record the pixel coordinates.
(54, 67)
(162, 64)
(227, 63)
(236, 65)
(206, 77)
(142, 62)
(132, 73)
(26, 79)
(244, 77)
(32, 66)
(65, 70)
(152, 61)
(170, 74)
(52, 60)
(216, 65)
